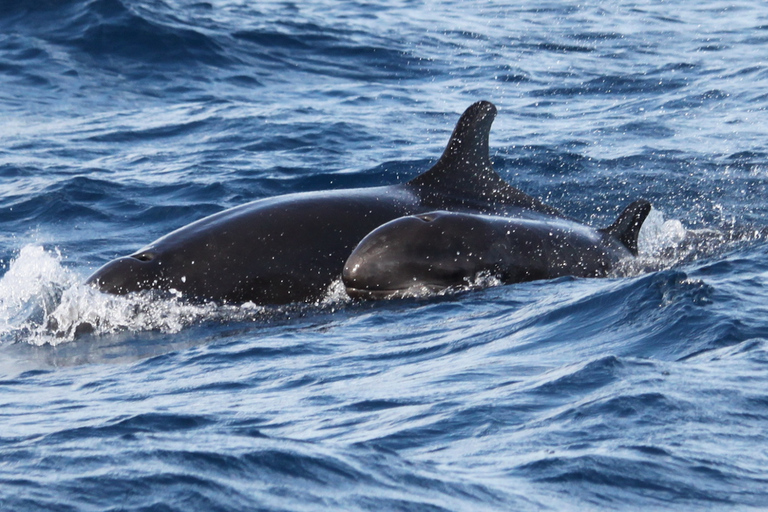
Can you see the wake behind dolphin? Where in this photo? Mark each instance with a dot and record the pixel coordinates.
(290, 248)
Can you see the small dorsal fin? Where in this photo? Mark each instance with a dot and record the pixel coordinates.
(627, 226)
(464, 172)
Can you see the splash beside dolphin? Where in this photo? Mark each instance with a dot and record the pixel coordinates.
(290, 248)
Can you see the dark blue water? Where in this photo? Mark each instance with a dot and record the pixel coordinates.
(121, 120)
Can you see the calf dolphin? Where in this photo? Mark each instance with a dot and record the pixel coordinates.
(437, 250)
(290, 248)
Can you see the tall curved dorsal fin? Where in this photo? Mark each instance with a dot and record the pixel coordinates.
(465, 173)
(627, 226)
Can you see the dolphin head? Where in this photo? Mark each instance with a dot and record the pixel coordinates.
(198, 275)
(139, 271)
(427, 252)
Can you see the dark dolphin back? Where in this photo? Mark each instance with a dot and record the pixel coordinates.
(290, 248)
(464, 174)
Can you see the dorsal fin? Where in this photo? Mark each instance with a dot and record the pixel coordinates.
(627, 226)
(465, 173)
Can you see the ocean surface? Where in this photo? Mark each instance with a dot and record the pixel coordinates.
(121, 120)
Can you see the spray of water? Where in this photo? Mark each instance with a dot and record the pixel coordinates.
(43, 302)
(30, 290)
(665, 244)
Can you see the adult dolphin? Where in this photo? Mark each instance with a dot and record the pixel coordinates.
(290, 248)
(437, 250)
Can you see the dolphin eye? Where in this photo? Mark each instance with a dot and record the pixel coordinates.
(144, 256)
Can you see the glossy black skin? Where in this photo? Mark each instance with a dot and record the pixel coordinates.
(290, 248)
(273, 251)
(437, 250)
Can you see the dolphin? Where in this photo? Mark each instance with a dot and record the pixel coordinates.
(291, 247)
(432, 251)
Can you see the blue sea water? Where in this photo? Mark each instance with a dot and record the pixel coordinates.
(122, 120)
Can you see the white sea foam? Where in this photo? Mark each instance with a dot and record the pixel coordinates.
(335, 295)
(30, 289)
(43, 302)
(659, 246)
(659, 235)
